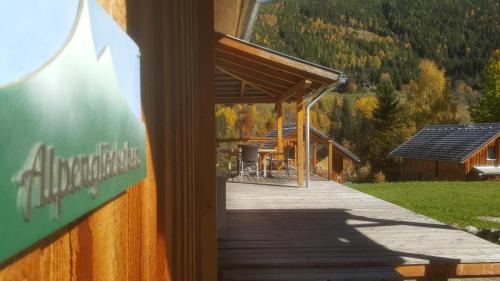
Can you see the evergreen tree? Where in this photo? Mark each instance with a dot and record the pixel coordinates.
(336, 122)
(385, 141)
(387, 104)
(384, 120)
(348, 122)
(488, 107)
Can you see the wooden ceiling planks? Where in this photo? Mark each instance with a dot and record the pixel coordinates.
(247, 73)
(261, 85)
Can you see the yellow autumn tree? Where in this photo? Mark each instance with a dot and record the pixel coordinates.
(366, 105)
(247, 115)
(429, 99)
(225, 118)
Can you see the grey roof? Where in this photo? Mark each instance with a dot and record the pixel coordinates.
(454, 143)
(290, 128)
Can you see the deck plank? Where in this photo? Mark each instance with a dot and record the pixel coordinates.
(329, 227)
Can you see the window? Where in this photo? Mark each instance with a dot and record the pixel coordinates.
(490, 155)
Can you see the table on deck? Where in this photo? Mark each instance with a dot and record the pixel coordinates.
(332, 232)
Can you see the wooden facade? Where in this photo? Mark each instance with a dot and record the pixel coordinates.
(163, 228)
(423, 169)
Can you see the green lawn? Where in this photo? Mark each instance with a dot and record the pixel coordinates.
(449, 202)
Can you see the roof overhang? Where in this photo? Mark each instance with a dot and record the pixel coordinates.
(248, 73)
(485, 171)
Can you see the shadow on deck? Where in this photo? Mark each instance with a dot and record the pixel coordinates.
(331, 232)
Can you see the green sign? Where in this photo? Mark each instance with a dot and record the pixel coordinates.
(71, 137)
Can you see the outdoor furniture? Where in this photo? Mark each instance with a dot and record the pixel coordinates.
(285, 158)
(263, 153)
(249, 159)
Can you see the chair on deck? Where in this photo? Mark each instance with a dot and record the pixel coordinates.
(249, 159)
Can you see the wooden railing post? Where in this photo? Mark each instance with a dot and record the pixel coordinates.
(330, 160)
(300, 137)
(279, 121)
(314, 156)
(498, 152)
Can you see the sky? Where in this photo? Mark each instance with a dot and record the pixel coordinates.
(37, 31)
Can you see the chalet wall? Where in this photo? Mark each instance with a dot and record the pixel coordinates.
(449, 171)
(416, 169)
(479, 158)
(164, 227)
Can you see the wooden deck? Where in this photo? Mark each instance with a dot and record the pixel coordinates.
(332, 232)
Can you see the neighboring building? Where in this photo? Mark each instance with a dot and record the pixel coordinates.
(451, 152)
(336, 153)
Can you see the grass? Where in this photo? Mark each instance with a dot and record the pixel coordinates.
(459, 203)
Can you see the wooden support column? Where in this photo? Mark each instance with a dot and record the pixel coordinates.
(314, 156)
(498, 152)
(300, 138)
(279, 126)
(177, 74)
(330, 160)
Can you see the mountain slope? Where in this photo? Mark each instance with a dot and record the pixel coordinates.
(368, 37)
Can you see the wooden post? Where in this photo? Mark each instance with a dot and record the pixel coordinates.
(177, 67)
(498, 152)
(300, 138)
(330, 160)
(279, 121)
(314, 157)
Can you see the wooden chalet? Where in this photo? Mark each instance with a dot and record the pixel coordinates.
(451, 152)
(335, 153)
(246, 73)
(166, 226)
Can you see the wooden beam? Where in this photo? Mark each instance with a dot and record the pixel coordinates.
(235, 96)
(300, 137)
(254, 139)
(296, 90)
(205, 193)
(330, 160)
(276, 71)
(272, 58)
(253, 79)
(434, 271)
(266, 88)
(279, 126)
(260, 75)
(314, 155)
(245, 100)
(242, 89)
(498, 152)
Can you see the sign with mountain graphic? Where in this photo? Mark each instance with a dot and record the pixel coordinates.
(71, 135)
